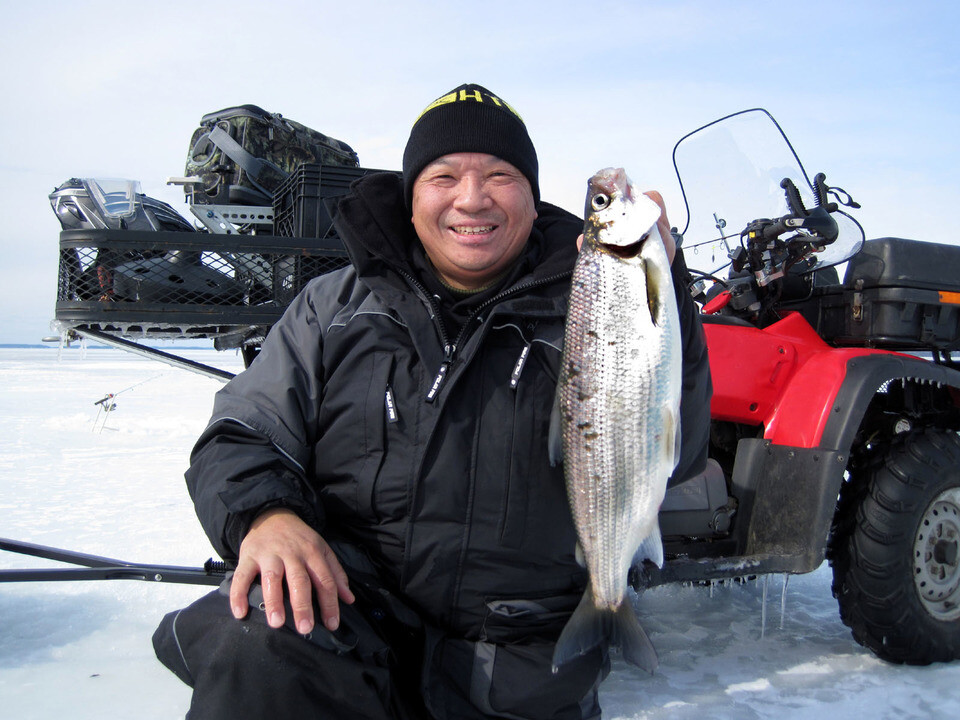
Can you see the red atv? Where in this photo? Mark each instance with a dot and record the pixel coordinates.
(836, 402)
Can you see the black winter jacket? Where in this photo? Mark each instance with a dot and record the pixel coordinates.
(367, 417)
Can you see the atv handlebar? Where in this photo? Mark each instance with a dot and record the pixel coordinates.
(770, 247)
(816, 221)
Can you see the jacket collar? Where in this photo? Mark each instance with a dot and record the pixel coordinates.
(376, 230)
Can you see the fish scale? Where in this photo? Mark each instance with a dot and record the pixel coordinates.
(617, 390)
(617, 407)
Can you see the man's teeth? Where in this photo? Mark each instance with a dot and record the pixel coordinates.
(474, 230)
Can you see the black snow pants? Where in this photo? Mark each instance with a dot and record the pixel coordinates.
(381, 663)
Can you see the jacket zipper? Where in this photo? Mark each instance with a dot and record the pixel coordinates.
(450, 349)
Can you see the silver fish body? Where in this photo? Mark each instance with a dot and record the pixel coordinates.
(617, 408)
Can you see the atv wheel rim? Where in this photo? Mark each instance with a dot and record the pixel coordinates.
(935, 552)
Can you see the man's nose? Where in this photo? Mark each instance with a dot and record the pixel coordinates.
(472, 195)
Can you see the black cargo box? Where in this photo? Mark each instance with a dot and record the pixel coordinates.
(896, 294)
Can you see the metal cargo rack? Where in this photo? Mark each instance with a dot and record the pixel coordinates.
(184, 285)
(226, 283)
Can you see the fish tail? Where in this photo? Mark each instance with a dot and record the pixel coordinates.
(589, 627)
(632, 639)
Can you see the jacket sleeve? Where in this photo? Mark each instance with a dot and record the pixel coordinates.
(255, 451)
(697, 387)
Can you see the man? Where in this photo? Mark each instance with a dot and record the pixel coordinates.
(381, 468)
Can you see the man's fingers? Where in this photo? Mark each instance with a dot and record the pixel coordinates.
(289, 554)
(243, 578)
(663, 224)
(331, 585)
(339, 577)
(329, 602)
(301, 598)
(271, 580)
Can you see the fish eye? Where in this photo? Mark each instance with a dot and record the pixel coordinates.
(600, 201)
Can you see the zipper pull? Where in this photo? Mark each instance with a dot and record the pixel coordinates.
(522, 360)
(448, 351)
(391, 406)
(518, 366)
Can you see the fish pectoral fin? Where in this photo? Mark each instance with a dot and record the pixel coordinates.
(653, 283)
(671, 438)
(555, 433)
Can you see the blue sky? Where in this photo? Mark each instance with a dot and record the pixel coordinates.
(869, 92)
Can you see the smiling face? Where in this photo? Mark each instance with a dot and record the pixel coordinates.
(473, 213)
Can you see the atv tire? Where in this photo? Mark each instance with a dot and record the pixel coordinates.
(894, 549)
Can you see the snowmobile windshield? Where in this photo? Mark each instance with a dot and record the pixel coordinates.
(730, 173)
(116, 198)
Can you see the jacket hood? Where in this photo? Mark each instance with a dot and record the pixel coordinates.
(377, 231)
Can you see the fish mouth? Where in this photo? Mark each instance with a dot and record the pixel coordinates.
(625, 252)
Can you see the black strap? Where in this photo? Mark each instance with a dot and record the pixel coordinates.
(249, 163)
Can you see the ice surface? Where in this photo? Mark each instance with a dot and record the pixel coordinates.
(82, 650)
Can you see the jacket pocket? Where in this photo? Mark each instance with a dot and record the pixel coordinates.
(530, 479)
(379, 411)
(521, 620)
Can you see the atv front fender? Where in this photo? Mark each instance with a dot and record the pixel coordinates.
(803, 392)
(865, 375)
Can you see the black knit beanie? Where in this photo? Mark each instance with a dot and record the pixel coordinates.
(469, 118)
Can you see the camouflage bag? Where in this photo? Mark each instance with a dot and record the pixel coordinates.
(242, 155)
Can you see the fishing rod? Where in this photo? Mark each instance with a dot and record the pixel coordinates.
(106, 405)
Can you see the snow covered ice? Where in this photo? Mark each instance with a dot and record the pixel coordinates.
(82, 649)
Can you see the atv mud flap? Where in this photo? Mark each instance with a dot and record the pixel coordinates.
(789, 495)
(787, 498)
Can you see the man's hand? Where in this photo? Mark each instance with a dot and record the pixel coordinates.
(280, 546)
(663, 225)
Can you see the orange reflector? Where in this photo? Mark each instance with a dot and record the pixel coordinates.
(950, 297)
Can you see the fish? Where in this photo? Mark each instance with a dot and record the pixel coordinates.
(616, 419)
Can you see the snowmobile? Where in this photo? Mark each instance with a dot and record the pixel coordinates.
(836, 400)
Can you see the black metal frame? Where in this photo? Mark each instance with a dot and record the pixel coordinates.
(96, 567)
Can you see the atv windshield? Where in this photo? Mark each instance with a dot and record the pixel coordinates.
(730, 173)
